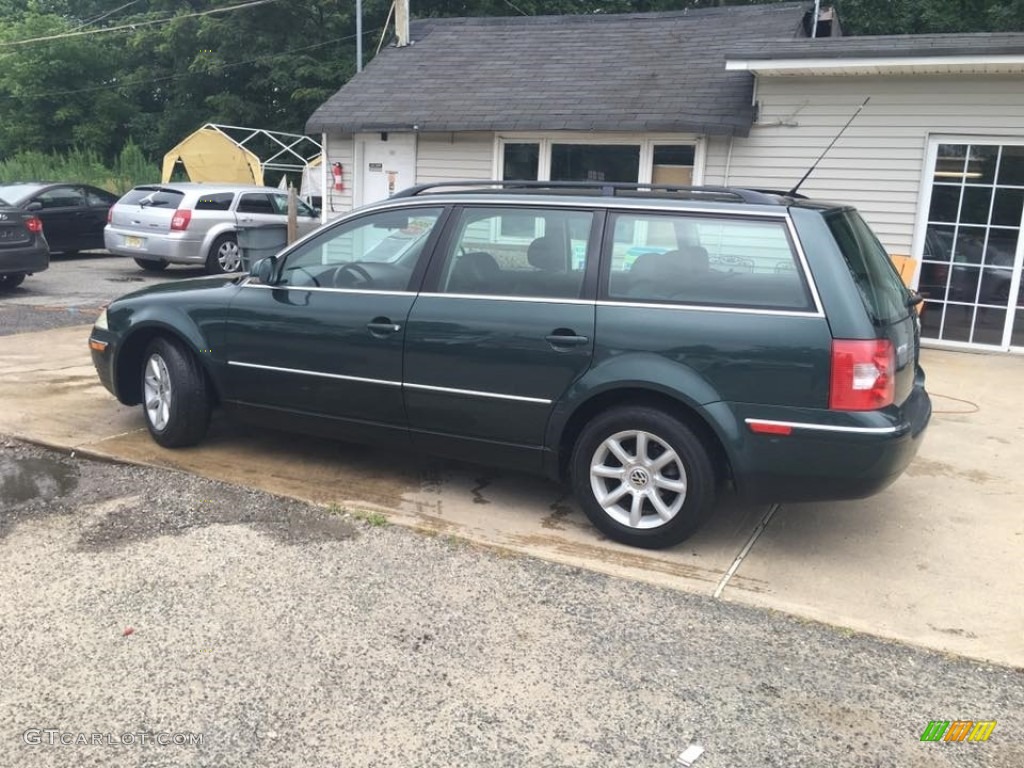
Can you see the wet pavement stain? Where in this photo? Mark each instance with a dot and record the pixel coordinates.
(207, 503)
(481, 484)
(30, 486)
(24, 479)
(931, 468)
(561, 514)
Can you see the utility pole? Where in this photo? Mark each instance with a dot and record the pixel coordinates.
(359, 35)
(402, 22)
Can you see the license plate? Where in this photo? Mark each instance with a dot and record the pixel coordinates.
(133, 242)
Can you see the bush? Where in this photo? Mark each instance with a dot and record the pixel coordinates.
(84, 166)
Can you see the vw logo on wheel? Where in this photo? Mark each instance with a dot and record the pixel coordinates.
(639, 477)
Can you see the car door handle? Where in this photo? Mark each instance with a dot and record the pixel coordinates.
(381, 326)
(563, 337)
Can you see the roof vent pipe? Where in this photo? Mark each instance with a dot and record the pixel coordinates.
(402, 22)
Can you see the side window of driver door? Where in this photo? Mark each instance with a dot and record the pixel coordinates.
(377, 252)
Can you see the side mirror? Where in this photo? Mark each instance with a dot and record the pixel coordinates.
(35, 205)
(263, 270)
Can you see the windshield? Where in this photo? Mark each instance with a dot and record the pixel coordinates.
(881, 289)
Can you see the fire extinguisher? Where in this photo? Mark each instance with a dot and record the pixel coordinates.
(338, 171)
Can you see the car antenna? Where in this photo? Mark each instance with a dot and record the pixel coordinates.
(793, 191)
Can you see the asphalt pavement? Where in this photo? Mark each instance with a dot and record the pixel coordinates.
(141, 604)
(73, 290)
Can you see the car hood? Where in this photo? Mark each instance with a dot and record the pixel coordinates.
(183, 288)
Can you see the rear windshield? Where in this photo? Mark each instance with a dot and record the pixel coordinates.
(153, 197)
(882, 290)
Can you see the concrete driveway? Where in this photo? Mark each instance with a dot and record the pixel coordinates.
(934, 561)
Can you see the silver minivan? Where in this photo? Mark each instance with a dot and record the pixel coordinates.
(190, 223)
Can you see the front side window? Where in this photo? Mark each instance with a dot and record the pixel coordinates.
(256, 203)
(705, 260)
(484, 259)
(280, 203)
(376, 252)
(61, 197)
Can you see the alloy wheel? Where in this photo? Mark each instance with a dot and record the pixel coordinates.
(638, 479)
(157, 385)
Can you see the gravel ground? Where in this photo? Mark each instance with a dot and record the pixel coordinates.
(141, 601)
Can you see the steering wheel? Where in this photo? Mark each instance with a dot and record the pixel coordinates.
(357, 269)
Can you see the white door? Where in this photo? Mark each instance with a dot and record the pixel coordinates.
(387, 164)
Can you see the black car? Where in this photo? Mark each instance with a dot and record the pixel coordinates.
(23, 248)
(73, 215)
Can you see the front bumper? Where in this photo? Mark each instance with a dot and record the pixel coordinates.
(102, 346)
(822, 461)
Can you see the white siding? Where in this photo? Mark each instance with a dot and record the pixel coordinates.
(454, 156)
(877, 165)
(339, 150)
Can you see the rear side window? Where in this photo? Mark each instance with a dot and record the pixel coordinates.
(705, 260)
(880, 286)
(217, 202)
(153, 197)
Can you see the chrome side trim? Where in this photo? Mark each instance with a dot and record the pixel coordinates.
(328, 290)
(477, 393)
(702, 308)
(824, 427)
(426, 387)
(315, 373)
(535, 299)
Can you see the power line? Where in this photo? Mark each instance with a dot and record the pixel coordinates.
(137, 24)
(130, 83)
(104, 16)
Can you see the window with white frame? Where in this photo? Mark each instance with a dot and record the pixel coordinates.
(616, 160)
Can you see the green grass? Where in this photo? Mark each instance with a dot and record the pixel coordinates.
(84, 166)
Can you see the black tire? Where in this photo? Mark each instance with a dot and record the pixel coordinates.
(187, 414)
(224, 250)
(11, 281)
(691, 467)
(152, 265)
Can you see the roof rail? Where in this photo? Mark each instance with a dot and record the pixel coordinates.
(606, 188)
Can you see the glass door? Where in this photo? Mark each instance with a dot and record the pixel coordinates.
(971, 260)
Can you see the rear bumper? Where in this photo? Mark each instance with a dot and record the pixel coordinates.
(175, 247)
(821, 460)
(30, 258)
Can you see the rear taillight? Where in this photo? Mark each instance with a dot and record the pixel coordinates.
(863, 375)
(34, 224)
(182, 217)
(110, 215)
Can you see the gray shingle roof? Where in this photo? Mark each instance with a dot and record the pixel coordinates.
(628, 72)
(872, 46)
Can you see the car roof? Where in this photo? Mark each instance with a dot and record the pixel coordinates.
(17, 192)
(195, 186)
(605, 194)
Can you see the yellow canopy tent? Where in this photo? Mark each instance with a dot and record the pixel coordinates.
(209, 155)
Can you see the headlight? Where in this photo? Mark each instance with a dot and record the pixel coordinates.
(101, 321)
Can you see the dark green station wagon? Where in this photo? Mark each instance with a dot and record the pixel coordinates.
(649, 345)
